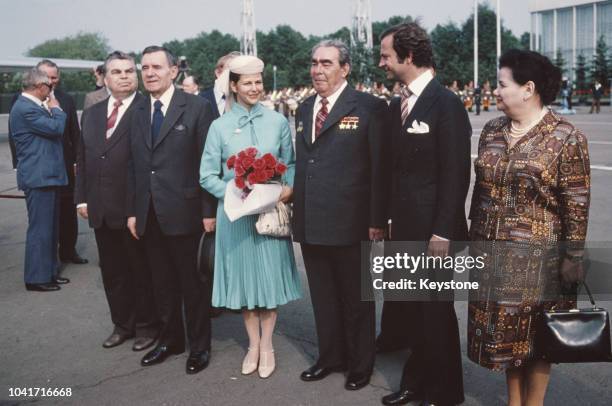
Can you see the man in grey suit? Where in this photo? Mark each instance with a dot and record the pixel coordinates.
(168, 208)
(36, 131)
(339, 200)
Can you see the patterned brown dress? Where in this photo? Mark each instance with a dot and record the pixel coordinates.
(526, 199)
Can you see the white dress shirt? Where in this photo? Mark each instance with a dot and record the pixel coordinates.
(417, 86)
(111, 106)
(109, 110)
(33, 98)
(165, 99)
(220, 99)
(331, 100)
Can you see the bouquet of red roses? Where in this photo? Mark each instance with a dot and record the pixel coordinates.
(250, 170)
(255, 188)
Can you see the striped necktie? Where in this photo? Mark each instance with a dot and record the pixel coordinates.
(321, 116)
(405, 93)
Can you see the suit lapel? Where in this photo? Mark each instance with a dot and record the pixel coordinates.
(307, 120)
(144, 109)
(122, 126)
(97, 135)
(174, 111)
(344, 105)
(423, 103)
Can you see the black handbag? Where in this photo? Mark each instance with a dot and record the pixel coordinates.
(576, 335)
(206, 257)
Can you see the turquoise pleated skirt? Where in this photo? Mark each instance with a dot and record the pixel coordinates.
(252, 270)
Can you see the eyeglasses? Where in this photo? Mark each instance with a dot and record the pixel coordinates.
(50, 86)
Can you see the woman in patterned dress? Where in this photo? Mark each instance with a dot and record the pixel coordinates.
(253, 272)
(531, 195)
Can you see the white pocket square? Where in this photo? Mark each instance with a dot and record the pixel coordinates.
(418, 128)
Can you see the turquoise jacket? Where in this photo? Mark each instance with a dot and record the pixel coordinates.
(238, 129)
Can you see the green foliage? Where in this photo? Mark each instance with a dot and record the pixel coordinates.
(581, 73)
(203, 51)
(600, 69)
(560, 61)
(525, 40)
(87, 46)
(90, 46)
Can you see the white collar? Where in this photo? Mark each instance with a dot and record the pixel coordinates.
(125, 102)
(332, 97)
(417, 86)
(164, 98)
(32, 98)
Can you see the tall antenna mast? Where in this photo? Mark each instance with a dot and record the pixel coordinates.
(248, 45)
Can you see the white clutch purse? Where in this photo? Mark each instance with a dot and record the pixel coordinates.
(276, 222)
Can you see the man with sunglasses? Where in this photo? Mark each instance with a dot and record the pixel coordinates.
(36, 131)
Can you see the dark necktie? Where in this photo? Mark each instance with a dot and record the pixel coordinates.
(158, 119)
(321, 116)
(112, 119)
(406, 93)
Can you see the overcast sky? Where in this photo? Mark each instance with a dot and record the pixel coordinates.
(130, 25)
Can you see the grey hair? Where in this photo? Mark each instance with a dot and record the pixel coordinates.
(343, 50)
(33, 78)
(117, 55)
(47, 62)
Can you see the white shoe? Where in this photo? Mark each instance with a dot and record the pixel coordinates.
(267, 364)
(249, 364)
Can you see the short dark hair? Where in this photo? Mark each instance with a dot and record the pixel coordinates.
(100, 69)
(47, 62)
(411, 40)
(531, 66)
(116, 55)
(156, 48)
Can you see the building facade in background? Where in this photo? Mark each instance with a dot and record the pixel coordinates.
(571, 26)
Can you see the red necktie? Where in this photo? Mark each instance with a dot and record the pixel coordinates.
(321, 116)
(110, 123)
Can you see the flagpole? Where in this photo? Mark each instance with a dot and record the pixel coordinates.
(475, 43)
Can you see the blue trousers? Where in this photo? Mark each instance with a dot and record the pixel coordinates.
(41, 262)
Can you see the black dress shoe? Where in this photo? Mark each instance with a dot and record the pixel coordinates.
(401, 397)
(142, 343)
(197, 361)
(41, 287)
(114, 340)
(159, 354)
(356, 381)
(58, 280)
(75, 259)
(316, 373)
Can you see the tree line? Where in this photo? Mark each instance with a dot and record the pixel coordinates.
(289, 51)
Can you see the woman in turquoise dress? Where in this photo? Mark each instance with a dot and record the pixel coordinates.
(253, 272)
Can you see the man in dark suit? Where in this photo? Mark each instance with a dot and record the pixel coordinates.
(101, 195)
(214, 94)
(36, 131)
(340, 199)
(167, 206)
(430, 180)
(69, 227)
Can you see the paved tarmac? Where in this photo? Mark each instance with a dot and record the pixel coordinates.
(53, 340)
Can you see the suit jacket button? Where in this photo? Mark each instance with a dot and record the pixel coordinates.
(103, 157)
(152, 172)
(311, 161)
